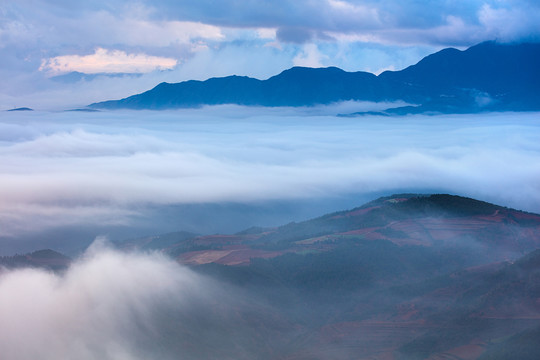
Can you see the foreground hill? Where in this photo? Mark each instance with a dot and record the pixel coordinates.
(491, 232)
(402, 277)
(485, 77)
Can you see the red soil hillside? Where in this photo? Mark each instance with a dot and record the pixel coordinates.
(436, 220)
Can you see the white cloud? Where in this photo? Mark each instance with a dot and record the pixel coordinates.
(511, 24)
(165, 33)
(310, 56)
(107, 306)
(114, 305)
(106, 61)
(266, 33)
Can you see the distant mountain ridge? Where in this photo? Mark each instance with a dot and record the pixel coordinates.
(486, 77)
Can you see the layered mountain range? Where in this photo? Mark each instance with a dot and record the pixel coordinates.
(402, 277)
(486, 77)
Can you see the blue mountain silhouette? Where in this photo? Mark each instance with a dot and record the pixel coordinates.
(486, 77)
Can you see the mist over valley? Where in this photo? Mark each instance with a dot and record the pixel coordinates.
(222, 169)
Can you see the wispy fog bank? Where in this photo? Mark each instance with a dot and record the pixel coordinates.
(111, 305)
(102, 308)
(71, 168)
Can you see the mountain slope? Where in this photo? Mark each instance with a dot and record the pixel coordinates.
(488, 232)
(488, 76)
(404, 277)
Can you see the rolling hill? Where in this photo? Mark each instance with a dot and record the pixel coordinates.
(403, 277)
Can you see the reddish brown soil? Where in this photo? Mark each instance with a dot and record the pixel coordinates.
(223, 239)
(232, 255)
(492, 229)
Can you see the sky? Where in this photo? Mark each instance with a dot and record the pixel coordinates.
(65, 54)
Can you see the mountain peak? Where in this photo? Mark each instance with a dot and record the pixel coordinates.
(486, 77)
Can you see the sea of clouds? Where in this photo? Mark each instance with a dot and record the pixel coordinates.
(107, 168)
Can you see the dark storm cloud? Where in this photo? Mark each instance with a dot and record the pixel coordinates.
(481, 17)
(321, 15)
(294, 35)
(389, 20)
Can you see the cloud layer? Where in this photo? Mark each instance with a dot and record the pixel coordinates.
(104, 168)
(96, 310)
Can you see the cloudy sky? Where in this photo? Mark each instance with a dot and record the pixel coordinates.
(122, 47)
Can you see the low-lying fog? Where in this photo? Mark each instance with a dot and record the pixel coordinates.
(116, 306)
(226, 168)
